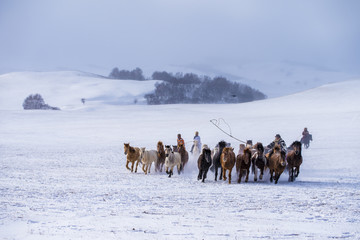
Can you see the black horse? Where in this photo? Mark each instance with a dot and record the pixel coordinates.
(216, 159)
(258, 161)
(204, 163)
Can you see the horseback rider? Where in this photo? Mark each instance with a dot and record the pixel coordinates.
(278, 140)
(306, 138)
(180, 141)
(305, 135)
(196, 138)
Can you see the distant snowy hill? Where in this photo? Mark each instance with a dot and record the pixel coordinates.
(276, 79)
(66, 89)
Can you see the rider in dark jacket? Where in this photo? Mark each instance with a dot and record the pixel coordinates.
(278, 140)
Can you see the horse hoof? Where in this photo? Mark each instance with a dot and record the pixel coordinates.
(255, 180)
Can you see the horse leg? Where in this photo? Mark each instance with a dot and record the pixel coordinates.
(161, 166)
(204, 175)
(230, 176)
(132, 166)
(221, 172)
(171, 171)
(261, 173)
(200, 174)
(127, 164)
(297, 171)
(137, 163)
(255, 174)
(247, 175)
(271, 175)
(277, 176)
(150, 167)
(143, 168)
(224, 174)
(216, 173)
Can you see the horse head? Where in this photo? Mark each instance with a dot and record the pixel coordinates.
(247, 155)
(126, 148)
(242, 147)
(160, 146)
(259, 148)
(142, 152)
(168, 150)
(296, 146)
(222, 145)
(207, 155)
(249, 143)
(227, 152)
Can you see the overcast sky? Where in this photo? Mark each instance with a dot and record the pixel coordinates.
(97, 35)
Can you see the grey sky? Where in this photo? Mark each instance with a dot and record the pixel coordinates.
(97, 35)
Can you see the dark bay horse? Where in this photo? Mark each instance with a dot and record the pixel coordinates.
(258, 161)
(204, 163)
(294, 160)
(161, 157)
(216, 160)
(243, 162)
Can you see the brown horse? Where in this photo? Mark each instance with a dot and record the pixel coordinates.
(161, 157)
(227, 160)
(184, 156)
(276, 164)
(243, 162)
(258, 161)
(294, 160)
(133, 155)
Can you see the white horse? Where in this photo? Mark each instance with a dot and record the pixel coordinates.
(196, 150)
(147, 158)
(172, 159)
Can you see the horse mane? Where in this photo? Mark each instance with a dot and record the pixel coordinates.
(160, 143)
(131, 149)
(296, 143)
(259, 146)
(277, 147)
(222, 144)
(247, 150)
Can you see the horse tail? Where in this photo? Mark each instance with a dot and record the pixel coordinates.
(212, 168)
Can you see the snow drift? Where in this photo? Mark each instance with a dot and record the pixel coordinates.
(63, 173)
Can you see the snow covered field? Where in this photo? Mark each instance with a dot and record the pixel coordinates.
(63, 175)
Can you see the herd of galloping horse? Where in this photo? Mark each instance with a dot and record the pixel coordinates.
(223, 157)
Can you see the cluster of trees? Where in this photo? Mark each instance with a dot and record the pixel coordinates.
(35, 101)
(217, 90)
(136, 74)
(191, 88)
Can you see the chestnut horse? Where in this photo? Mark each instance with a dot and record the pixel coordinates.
(276, 163)
(294, 160)
(227, 160)
(243, 162)
(184, 156)
(204, 163)
(258, 161)
(161, 157)
(132, 155)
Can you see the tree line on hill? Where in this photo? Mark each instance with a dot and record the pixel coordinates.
(191, 88)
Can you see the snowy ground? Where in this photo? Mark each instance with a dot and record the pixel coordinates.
(63, 175)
